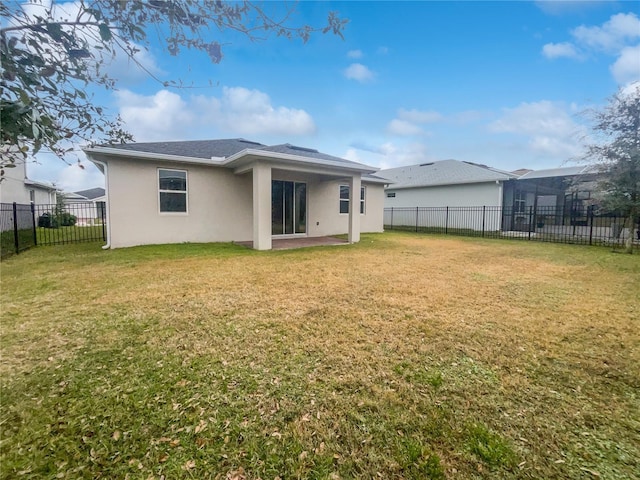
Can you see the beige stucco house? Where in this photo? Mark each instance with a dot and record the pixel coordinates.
(233, 190)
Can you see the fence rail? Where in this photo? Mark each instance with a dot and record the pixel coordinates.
(544, 224)
(25, 226)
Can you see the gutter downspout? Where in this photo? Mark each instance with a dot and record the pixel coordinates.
(106, 203)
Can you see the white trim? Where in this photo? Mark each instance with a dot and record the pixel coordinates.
(340, 199)
(107, 209)
(185, 191)
(396, 186)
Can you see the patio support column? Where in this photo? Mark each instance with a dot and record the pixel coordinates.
(261, 207)
(354, 210)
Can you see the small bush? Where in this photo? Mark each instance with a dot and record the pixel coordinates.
(67, 220)
(46, 220)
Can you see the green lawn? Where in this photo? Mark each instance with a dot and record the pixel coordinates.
(404, 356)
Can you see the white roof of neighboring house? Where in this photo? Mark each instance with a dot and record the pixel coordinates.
(43, 185)
(443, 172)
(559, 172)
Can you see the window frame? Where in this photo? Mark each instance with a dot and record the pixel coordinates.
(363, 200)
(519, 202)
(185, 191)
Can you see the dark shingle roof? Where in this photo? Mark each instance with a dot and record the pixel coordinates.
(192, 148)
(208, 149)
(91, 193)
(306, 152)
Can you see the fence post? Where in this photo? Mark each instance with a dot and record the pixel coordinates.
(417, 219)
(530, 218)
(484, 210)
(16, 243)
(446, 222)
(33, 218)
(590, 225)
(391, 219)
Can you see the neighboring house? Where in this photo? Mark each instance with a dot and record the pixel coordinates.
(233, 190)
(88, 206)
(558, 195)
(527, 199)
(446, 183)
(16, 187)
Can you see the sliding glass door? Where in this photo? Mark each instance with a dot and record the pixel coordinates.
(288, 207)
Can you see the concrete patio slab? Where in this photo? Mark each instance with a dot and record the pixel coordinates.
(300, 242)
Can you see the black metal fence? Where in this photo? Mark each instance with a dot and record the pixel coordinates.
(25, 226)
(545, 224)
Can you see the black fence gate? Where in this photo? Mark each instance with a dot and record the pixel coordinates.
(25, 226)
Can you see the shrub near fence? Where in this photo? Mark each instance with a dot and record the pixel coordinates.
(545, 224)
(24, 226)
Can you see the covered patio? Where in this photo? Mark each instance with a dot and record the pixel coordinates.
(300, 242)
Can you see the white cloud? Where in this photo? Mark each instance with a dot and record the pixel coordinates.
(549, 128)
(352, 154)
(383, 50)
(163, 116)
(407, 122)
(612, 35)
(389, 154)
(559, 50)
(167, 116)
(355, 54)
(626, 68)
(617, 37)
(358, 72)
(403, 127)
(80, 177)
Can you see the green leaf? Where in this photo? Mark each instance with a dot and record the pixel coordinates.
(55, 31)
(105, 32)
(24, 97)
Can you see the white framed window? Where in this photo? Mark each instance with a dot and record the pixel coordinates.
(391, 195)
(344, 199)
(32, 196)
(172, 190)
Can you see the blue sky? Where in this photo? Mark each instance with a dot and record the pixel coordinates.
(500, 83)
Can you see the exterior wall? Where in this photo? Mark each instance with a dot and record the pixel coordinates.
(12, 188)
(457, 197)
(219, 205)
(465, 195)
(42, 196)
(324, 209)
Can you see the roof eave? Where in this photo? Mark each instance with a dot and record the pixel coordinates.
(152, 156)
(250, 154)
(444, 184)
(232, 161)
